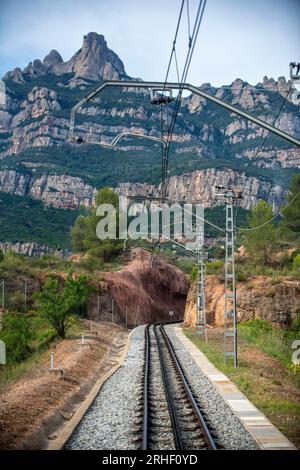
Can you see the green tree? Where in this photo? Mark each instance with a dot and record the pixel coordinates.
(58, 304)
(84, 236)
(16, 334)
(78, 233)
(260, 242)
(291, 213)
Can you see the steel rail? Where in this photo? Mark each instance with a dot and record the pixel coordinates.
(146, 387)
(171, 407)
(207, 436)
(186, 86)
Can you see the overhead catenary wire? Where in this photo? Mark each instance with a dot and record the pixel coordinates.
(270, 220)
(263, 144)
(191, 46)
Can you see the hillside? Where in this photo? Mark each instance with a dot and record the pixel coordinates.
(210, 145)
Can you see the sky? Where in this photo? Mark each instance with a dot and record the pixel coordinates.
(237, 39)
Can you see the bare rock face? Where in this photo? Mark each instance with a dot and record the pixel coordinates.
(93, 61)
(256, 298)
(40, 101)
(52, 59)
(199, 186)
(61, 191)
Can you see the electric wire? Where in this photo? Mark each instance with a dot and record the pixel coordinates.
(262, 145)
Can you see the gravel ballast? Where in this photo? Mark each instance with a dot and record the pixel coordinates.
(230, 432)
(111, 420)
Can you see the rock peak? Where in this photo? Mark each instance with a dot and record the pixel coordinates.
(52, 58)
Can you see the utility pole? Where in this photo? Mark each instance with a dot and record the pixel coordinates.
(201, 314)
(230, 314)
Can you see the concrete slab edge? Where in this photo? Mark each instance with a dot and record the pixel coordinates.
(267, 436)
(64, 435)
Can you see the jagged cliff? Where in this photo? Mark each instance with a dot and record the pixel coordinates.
(69, 192)
(258, 297)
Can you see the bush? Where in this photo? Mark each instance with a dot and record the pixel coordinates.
(17, 335)
(241, 273)
(194, 274)
(256, 327)
(215, 267)
(1, 256)
(296, 262)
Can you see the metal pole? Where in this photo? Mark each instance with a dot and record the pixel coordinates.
(52, 361)
(98, 307)
(230, 313)
(201, 314)
(126, 315)
(112, 310)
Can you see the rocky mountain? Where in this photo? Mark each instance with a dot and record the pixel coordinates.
(210, 146)
(94, 61)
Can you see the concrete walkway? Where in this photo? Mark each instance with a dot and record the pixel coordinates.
(267, 436)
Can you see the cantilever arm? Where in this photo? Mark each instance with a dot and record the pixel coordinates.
(186, 86)
(134, 134)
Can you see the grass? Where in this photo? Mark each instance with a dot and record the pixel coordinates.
(263, 374)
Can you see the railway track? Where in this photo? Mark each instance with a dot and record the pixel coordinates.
(172, 418)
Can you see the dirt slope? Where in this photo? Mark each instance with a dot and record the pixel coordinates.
(34, 407)
(148, 291)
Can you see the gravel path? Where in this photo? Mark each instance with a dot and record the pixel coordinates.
(231, 433)
(111, 421)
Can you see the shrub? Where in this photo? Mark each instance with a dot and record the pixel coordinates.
(296, 262)
(58, 304)
(194, 273)
(16, 334)
(215, 267)
(256, 327)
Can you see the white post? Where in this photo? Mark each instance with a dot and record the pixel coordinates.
(82, 338)
(52, 361)
(91, 327)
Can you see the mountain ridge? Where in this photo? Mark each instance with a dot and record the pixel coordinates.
(208, 141)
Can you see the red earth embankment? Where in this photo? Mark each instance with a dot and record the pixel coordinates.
(148, 289)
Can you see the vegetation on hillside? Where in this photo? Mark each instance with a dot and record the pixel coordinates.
(23, 219)
(85, 231)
